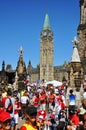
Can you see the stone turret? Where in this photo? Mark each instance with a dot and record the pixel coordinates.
(3, 77)
(21, 69)
(75, 67)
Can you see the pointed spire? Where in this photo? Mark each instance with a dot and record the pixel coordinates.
(46, 23)
(3, 65)
(75, 55)
(29, 62)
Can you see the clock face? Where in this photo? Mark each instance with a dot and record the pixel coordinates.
(50, 34)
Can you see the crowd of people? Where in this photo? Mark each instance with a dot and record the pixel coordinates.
(41, 108)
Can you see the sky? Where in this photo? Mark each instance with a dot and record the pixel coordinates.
(21, 22)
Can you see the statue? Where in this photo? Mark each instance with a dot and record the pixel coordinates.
(16, 80)
(75, 41)
(21, 51)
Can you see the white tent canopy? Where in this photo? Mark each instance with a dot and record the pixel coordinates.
(54, 83)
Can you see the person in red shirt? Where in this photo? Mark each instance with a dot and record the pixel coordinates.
(62, 105)
(17, 107)
(74, 121)
(5, 121)
(43, 100)
(3, 100)
(41, 118)
(51, 99)
(36, 100)
(59, 96)
(2, 109)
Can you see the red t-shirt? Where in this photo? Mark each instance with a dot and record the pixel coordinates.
(62, 106)
(2, 110)
(51, 97)
(59, 97)
(17, 105)
(75, 120)
(43, 99)
(36, 101)
(3, 100)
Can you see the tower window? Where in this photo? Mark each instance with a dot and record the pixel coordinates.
(84, 51)
(85, 35)
(44, 72)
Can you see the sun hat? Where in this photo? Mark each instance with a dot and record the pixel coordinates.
(4, 116)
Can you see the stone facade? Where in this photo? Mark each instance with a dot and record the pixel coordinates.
(46, 56)
(82, 34)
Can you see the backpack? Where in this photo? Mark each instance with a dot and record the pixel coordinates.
(10, 106)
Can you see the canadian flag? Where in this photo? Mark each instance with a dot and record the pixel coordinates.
(27, 80)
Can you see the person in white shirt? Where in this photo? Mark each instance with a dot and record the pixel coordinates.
(24, 103)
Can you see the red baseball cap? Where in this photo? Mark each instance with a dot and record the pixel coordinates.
(4, 116)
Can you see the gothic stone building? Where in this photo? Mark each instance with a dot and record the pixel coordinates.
(46, 69)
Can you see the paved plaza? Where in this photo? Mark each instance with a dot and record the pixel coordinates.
(21, 122)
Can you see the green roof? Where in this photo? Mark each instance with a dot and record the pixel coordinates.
(46, 23)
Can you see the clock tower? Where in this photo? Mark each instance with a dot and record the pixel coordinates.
(46, 51)
(82, 34)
